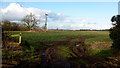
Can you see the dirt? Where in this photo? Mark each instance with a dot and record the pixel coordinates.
(49, 57)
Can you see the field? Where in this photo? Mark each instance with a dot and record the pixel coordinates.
(72, 47)
(95, 39)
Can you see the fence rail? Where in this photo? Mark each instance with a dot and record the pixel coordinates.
(16, 35)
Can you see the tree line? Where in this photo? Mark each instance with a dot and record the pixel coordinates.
(29, 22)
(13, 26)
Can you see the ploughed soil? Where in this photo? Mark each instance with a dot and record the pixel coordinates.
(57, 54)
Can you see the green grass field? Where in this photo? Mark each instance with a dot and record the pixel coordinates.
(60, 46)
(91, 36)
(96, 41)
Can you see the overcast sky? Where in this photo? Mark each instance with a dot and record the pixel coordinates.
(64, 15)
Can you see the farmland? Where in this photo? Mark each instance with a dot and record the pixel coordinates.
(90, 37)
(63, 46)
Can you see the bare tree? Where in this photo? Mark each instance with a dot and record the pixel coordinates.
(30, 21)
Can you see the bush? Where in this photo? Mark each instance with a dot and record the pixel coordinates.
(115, 32)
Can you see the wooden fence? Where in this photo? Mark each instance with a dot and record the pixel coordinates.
(16, 35)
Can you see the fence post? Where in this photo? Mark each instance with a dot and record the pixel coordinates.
(20, 38)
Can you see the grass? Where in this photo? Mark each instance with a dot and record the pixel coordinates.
(101, 53)
(64, 51)
(104, 53)
(99, 40)
(62, 35)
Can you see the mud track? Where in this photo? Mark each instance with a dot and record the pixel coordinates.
(73, 56)
(50, 57)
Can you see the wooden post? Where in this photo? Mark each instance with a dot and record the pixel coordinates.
(20, 38)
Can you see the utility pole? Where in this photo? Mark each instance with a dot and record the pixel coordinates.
(46, 22)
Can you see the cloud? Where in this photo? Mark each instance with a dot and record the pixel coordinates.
(67, 21)
(60, 26)
(89, 26)
(80, 23)
(76, 25)
(56, 16)
(13, 12)
(17, 12)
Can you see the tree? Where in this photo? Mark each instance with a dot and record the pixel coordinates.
(15, 26)
(12, 26)
(115, 32)
(6, 25)
(23, 27)
(30, 21)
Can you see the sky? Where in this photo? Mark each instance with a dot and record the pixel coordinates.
(60, 0)
(64, 15)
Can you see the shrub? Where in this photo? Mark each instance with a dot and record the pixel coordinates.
(115, 32)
